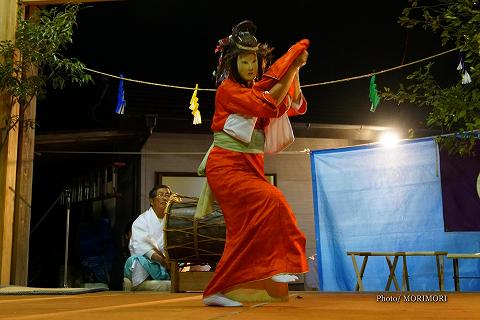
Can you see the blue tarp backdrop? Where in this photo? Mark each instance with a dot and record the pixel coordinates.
(377, 198)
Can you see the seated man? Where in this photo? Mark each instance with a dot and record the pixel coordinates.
(147, 260)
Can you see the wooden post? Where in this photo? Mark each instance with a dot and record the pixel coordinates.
(23, 199)
(174, 275)
(23, 188)
(15, 196)
(8, 154)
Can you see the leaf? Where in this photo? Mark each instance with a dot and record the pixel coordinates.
(373, 95)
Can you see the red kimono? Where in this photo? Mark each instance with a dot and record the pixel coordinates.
(262, 234)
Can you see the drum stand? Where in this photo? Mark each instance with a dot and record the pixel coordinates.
(188, 281)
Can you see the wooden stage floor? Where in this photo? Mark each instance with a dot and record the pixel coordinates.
(301, 305)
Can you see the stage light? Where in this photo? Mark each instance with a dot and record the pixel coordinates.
(389, 139)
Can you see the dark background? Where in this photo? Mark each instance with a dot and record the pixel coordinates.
(172, 42)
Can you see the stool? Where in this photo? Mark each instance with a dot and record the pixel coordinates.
(456, 271)
(439, 256)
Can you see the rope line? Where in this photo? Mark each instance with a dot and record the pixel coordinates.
(146, 82)
(303, 86)
(152, 153)
(379, 72)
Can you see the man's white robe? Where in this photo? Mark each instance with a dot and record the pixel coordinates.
(147, 236)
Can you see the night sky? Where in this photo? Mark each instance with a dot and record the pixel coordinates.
(172, 42)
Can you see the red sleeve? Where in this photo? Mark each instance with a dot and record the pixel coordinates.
(278, 69)
(232, 97)
(257, 101)
(235, 98)
(302, 109)
(294, 109)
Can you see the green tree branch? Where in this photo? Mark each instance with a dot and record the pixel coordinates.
(454, 109)
(36, 59)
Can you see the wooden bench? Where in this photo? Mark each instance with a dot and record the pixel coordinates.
(456, 271)
(439, 256)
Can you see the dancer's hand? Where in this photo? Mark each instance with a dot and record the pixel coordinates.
(301, 59)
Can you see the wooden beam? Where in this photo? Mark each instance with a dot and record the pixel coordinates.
(8, 154)
(56, 2)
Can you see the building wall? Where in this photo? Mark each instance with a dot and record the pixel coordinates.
(167, 152)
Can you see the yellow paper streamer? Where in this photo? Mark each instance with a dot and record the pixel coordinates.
(197, 118)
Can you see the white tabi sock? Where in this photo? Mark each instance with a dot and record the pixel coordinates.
(285, 278)
(220, 300)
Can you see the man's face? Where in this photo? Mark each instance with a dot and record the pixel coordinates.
(160, 201)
